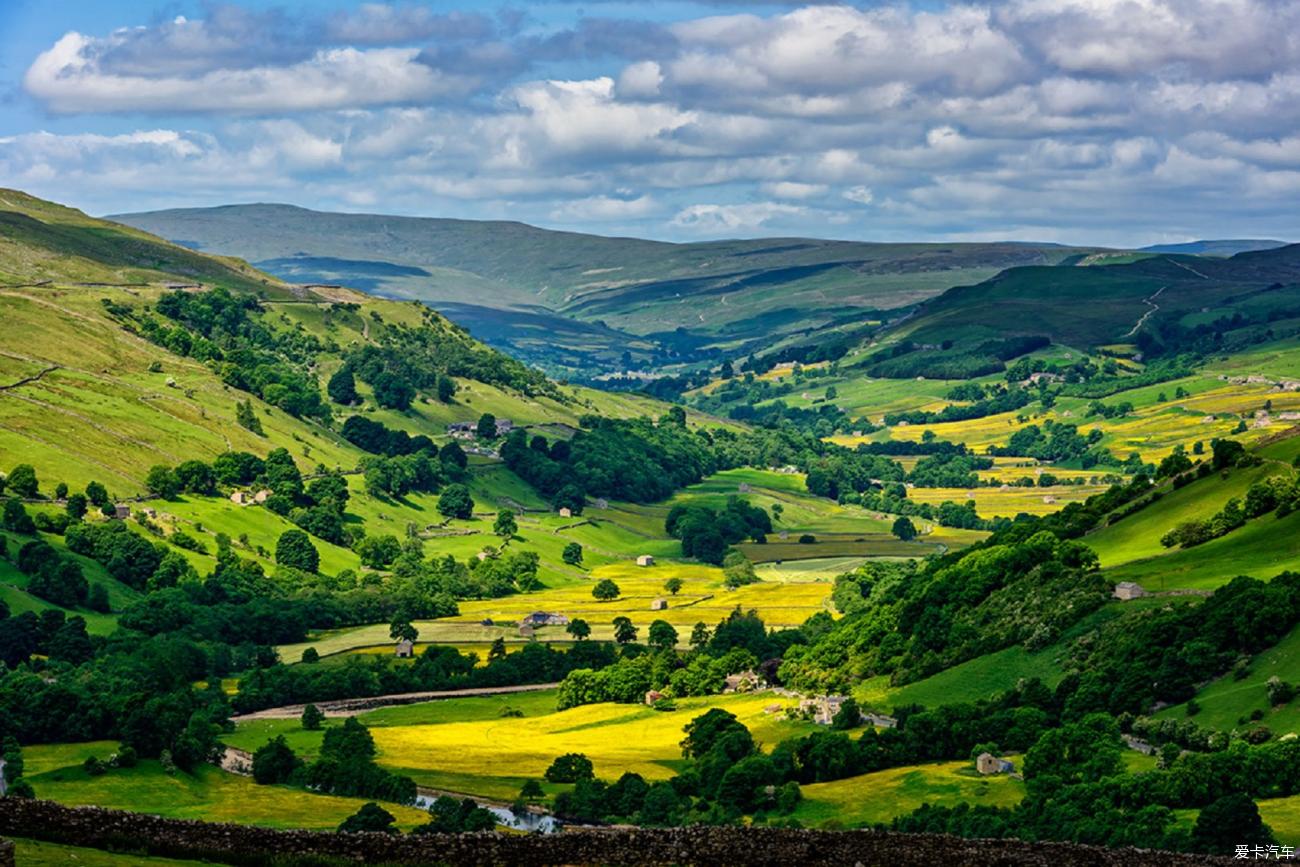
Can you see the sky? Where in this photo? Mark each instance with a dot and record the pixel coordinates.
(1112, 122)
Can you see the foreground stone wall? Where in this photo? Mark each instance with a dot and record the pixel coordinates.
(247, 845)
(6, 853)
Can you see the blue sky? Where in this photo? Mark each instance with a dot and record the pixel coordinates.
(1119, 122)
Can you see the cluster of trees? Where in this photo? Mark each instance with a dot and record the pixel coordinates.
(627, 459)
(345, 765)
(999, 401)
(706, 534)
(225, 330)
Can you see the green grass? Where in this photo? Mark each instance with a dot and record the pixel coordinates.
(36, 853)
(1226, 702)
(1137, 537)
(209, 794)
(1283, 816)
(885, 795)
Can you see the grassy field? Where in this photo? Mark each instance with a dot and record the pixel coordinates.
(1138, 537)
(464, 745)
(885, 795)
(1283, 816)
(994, 502)
(1226, 702)
(35, 853)
(212, 794)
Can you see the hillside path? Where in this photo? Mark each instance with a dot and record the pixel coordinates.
(1150, 302)
(354, 706)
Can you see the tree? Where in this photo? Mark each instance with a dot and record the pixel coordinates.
(76, 506)
(295, 550)
(624, 630)
(531, 792)
(162, 481)
(401, 629)
(312, 718)
(605, 590)
(197, 477)
(456, 502)
(578, 628)
(904, 528)
(16, 519)
(661, 635)
(371, 818)
(1230, 821)
(97, 494)
(97, 599)
(274, 762)
(22, 481)
(572, 554)
(342, 387)
(446, 389)
(505, 525)
(673, 585)
(848, 716)
(247, 418)
(310, 656)
(487, 427)
(701, 635)
(570, 768)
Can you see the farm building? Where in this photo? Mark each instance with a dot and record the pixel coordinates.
(545, 618)
(260, 496)
(526, 631)
(653, 696)
(566, 512)
(987, 763)
(1127, 590)
(241, 498)
(122, 511)
(504, 426)
(645, 560)
(600, 503)
(462, 430)
(150, 512)
(742, 681)
(879, 720)
(659, 605)
(405, 649)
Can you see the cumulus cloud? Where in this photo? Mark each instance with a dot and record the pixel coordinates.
(953, 120)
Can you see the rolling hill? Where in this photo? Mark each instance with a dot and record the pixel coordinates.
(574, 303)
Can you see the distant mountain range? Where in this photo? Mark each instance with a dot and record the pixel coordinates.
(574, 303)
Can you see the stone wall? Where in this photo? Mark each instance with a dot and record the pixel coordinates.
(247, 845)
(6, 853)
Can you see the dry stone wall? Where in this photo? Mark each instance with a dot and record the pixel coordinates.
(706, 847)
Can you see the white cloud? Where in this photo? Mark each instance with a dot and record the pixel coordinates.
(793, 189)
(68, 79)
(861, 195)
(640, 80)
(600, 208)
(744, 218)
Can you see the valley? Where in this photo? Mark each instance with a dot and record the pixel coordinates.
(835, 579)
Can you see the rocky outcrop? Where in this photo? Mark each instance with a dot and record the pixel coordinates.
(706, 847)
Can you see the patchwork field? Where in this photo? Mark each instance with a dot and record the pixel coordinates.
(465, 745)
(885, 795)
(55, 773)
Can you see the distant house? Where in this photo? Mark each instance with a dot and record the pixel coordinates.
(1126, 590)
(659, 605)
(566, 512)
(744, 488)
(645, 560)
(879, 720)
(545, 618)
(987, 763)
(150, 512)
(600, 503)
(504, 426)
(526, 631)
(653, 696)
(1049, 499)
(261, 496)
(121, 511)
(462, 430)
(240, 498)
(405, 648)
(742, 681)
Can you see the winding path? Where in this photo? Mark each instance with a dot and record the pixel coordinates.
(1150, 302)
